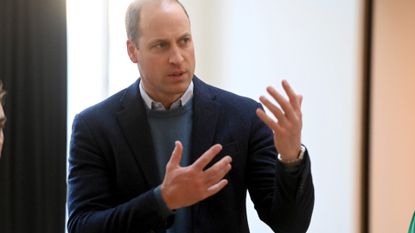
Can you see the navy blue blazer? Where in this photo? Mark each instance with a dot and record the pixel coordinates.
(113, 170)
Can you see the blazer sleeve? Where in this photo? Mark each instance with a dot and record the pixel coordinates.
(282, 196)
(92, 203)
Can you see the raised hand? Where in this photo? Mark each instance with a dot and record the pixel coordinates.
(288, 124)
(185, 186)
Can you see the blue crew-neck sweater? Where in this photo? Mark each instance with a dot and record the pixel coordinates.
(167, 127)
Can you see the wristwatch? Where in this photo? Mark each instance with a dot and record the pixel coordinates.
(298, 159)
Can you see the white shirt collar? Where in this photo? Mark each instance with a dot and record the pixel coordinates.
(154, 105)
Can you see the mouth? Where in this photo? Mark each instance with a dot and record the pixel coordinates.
(177, 75)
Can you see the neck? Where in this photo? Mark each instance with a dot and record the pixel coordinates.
(167, 104)
(167, 101)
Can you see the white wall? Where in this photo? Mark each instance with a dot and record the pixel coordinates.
(245, 45)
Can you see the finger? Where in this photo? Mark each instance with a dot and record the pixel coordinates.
(205, 159)
(282, 101)
(218, 170)
(291, 95)
(267, 120)
(176, 156)
(274, 109)
(212, 190)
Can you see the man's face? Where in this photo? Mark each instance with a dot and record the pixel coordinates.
(165, 53)
(2, 122)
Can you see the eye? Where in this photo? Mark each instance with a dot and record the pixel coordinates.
(185, 40)
(160, 45)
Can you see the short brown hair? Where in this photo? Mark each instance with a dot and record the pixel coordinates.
(132, 18)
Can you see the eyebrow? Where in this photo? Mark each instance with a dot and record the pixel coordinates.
(158, 40)
(187, 34)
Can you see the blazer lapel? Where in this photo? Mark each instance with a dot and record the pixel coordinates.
(205, 117)
(134, 124)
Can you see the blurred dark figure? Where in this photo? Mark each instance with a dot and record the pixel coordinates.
(2, 116)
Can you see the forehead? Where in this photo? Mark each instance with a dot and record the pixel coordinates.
(163, 18)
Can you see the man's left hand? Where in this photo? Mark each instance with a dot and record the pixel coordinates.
(288, 124)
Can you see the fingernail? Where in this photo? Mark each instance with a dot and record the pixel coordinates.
(176, 144)
(270, 89)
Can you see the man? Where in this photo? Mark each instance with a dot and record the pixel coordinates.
(173, 154)
(2, 117)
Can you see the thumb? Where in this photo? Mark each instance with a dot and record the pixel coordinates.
(176, 156)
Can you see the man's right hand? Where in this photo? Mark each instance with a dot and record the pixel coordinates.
(185, 186)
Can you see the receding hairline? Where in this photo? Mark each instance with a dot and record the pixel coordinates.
(133, 15)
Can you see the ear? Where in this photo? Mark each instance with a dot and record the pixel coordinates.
(132, 51)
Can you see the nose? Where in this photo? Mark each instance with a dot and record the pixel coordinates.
(176, 56)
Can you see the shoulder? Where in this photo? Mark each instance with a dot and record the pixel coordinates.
(110, 106)
(224, 97)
